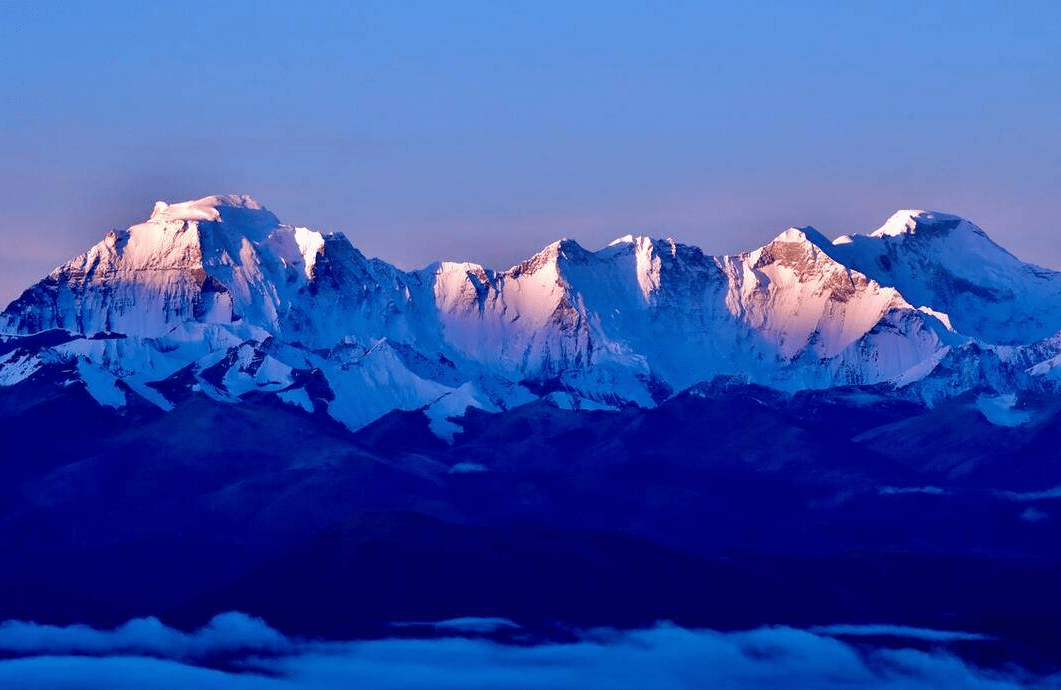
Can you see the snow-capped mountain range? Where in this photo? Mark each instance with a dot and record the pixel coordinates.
(217, 297)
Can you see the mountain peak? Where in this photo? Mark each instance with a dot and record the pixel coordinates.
(209, 208)
(916, 222)
(638, 240)
(947, 263)
(625, 239)
(642, 244)
(566, 246)
(551, 254)
(224, 219)
(803, 234)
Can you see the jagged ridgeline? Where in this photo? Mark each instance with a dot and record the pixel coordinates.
(218, 298)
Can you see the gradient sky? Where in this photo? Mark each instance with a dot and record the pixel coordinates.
(484, 130)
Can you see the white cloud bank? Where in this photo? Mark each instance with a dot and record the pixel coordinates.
(227, 634)
(147, 655)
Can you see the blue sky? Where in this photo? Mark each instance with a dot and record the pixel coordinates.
(484, 130)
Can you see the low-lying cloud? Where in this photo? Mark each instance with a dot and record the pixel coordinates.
(1033, 495)
(900, 631)
(226, 634)
(147, 655)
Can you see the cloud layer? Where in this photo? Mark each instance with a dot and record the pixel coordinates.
(225, 635)
(145, 654)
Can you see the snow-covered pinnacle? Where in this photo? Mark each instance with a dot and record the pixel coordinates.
(209, 208)
(804, 234)
(806, 304)
(911, 222)
(220, 259)
(625, 239)
(950, 265)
